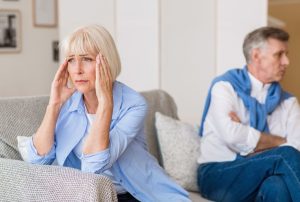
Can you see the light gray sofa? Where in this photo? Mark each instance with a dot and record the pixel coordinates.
(21, 181)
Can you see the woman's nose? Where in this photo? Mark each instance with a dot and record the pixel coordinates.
(76, 66)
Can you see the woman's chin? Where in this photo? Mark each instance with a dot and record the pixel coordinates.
(84, 90)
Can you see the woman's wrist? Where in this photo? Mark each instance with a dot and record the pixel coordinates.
(54, 107)
(104, 111)
(105, 106)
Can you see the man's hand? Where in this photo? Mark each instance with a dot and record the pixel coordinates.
(266, 141)
(234, 117)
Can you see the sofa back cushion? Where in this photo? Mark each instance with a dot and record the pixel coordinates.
(19, 116)
(158, 101)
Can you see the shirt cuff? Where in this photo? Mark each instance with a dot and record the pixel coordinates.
(95, 163)
(252, 141)
(29, 152)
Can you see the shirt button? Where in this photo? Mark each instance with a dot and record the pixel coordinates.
(121, 181)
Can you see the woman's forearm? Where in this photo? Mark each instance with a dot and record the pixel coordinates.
(43, 139)
(98, 138)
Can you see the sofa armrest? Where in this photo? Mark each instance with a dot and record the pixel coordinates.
(21, 181)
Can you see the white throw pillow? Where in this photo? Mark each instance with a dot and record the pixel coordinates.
(23, 142)
(180, 147)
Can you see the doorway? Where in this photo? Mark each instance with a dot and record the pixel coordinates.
(285, 14)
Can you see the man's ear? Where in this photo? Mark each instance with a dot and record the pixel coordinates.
(255, 55)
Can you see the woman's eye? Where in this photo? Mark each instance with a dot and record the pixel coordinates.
(71, 60)
(87, 59)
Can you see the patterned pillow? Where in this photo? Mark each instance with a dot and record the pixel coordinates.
(180, 147)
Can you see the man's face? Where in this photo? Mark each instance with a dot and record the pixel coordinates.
(272, 61)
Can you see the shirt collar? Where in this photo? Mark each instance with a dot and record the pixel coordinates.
(257, 84)
(77, 103)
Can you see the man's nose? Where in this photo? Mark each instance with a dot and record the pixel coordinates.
(285, 60)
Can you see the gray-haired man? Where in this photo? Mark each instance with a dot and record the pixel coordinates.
(251, 128)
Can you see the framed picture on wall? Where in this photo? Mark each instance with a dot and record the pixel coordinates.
(45, 13)
(10, 31)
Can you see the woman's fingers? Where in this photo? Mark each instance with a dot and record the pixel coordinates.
(103, 79)
(61, 70)
(98, 67)
(102, 67)
(98, 76)
(66, 77)
(105, 72)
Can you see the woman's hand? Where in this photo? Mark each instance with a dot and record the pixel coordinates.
(43, 139)
(98, 139)
(103, 84)
(59, 89)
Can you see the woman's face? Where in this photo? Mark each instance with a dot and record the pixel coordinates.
(82, 71)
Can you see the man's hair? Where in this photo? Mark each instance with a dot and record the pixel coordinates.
(259, 37)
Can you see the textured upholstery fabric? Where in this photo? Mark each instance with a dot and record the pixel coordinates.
(19, 116)
(158, 101)
(7, 151)
(21, 181)
(24, 182)
(180, 147)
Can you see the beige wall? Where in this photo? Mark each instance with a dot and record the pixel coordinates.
(289, 13)
(167, 44)
(235, 18)
(29, 72)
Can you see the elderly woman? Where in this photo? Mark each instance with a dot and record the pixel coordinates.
(95, 123)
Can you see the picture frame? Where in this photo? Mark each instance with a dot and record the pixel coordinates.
(10, 31)
(45, 13)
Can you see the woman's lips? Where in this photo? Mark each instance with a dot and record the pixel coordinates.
(81, 81)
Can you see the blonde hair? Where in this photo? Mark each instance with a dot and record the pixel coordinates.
(93, 39)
